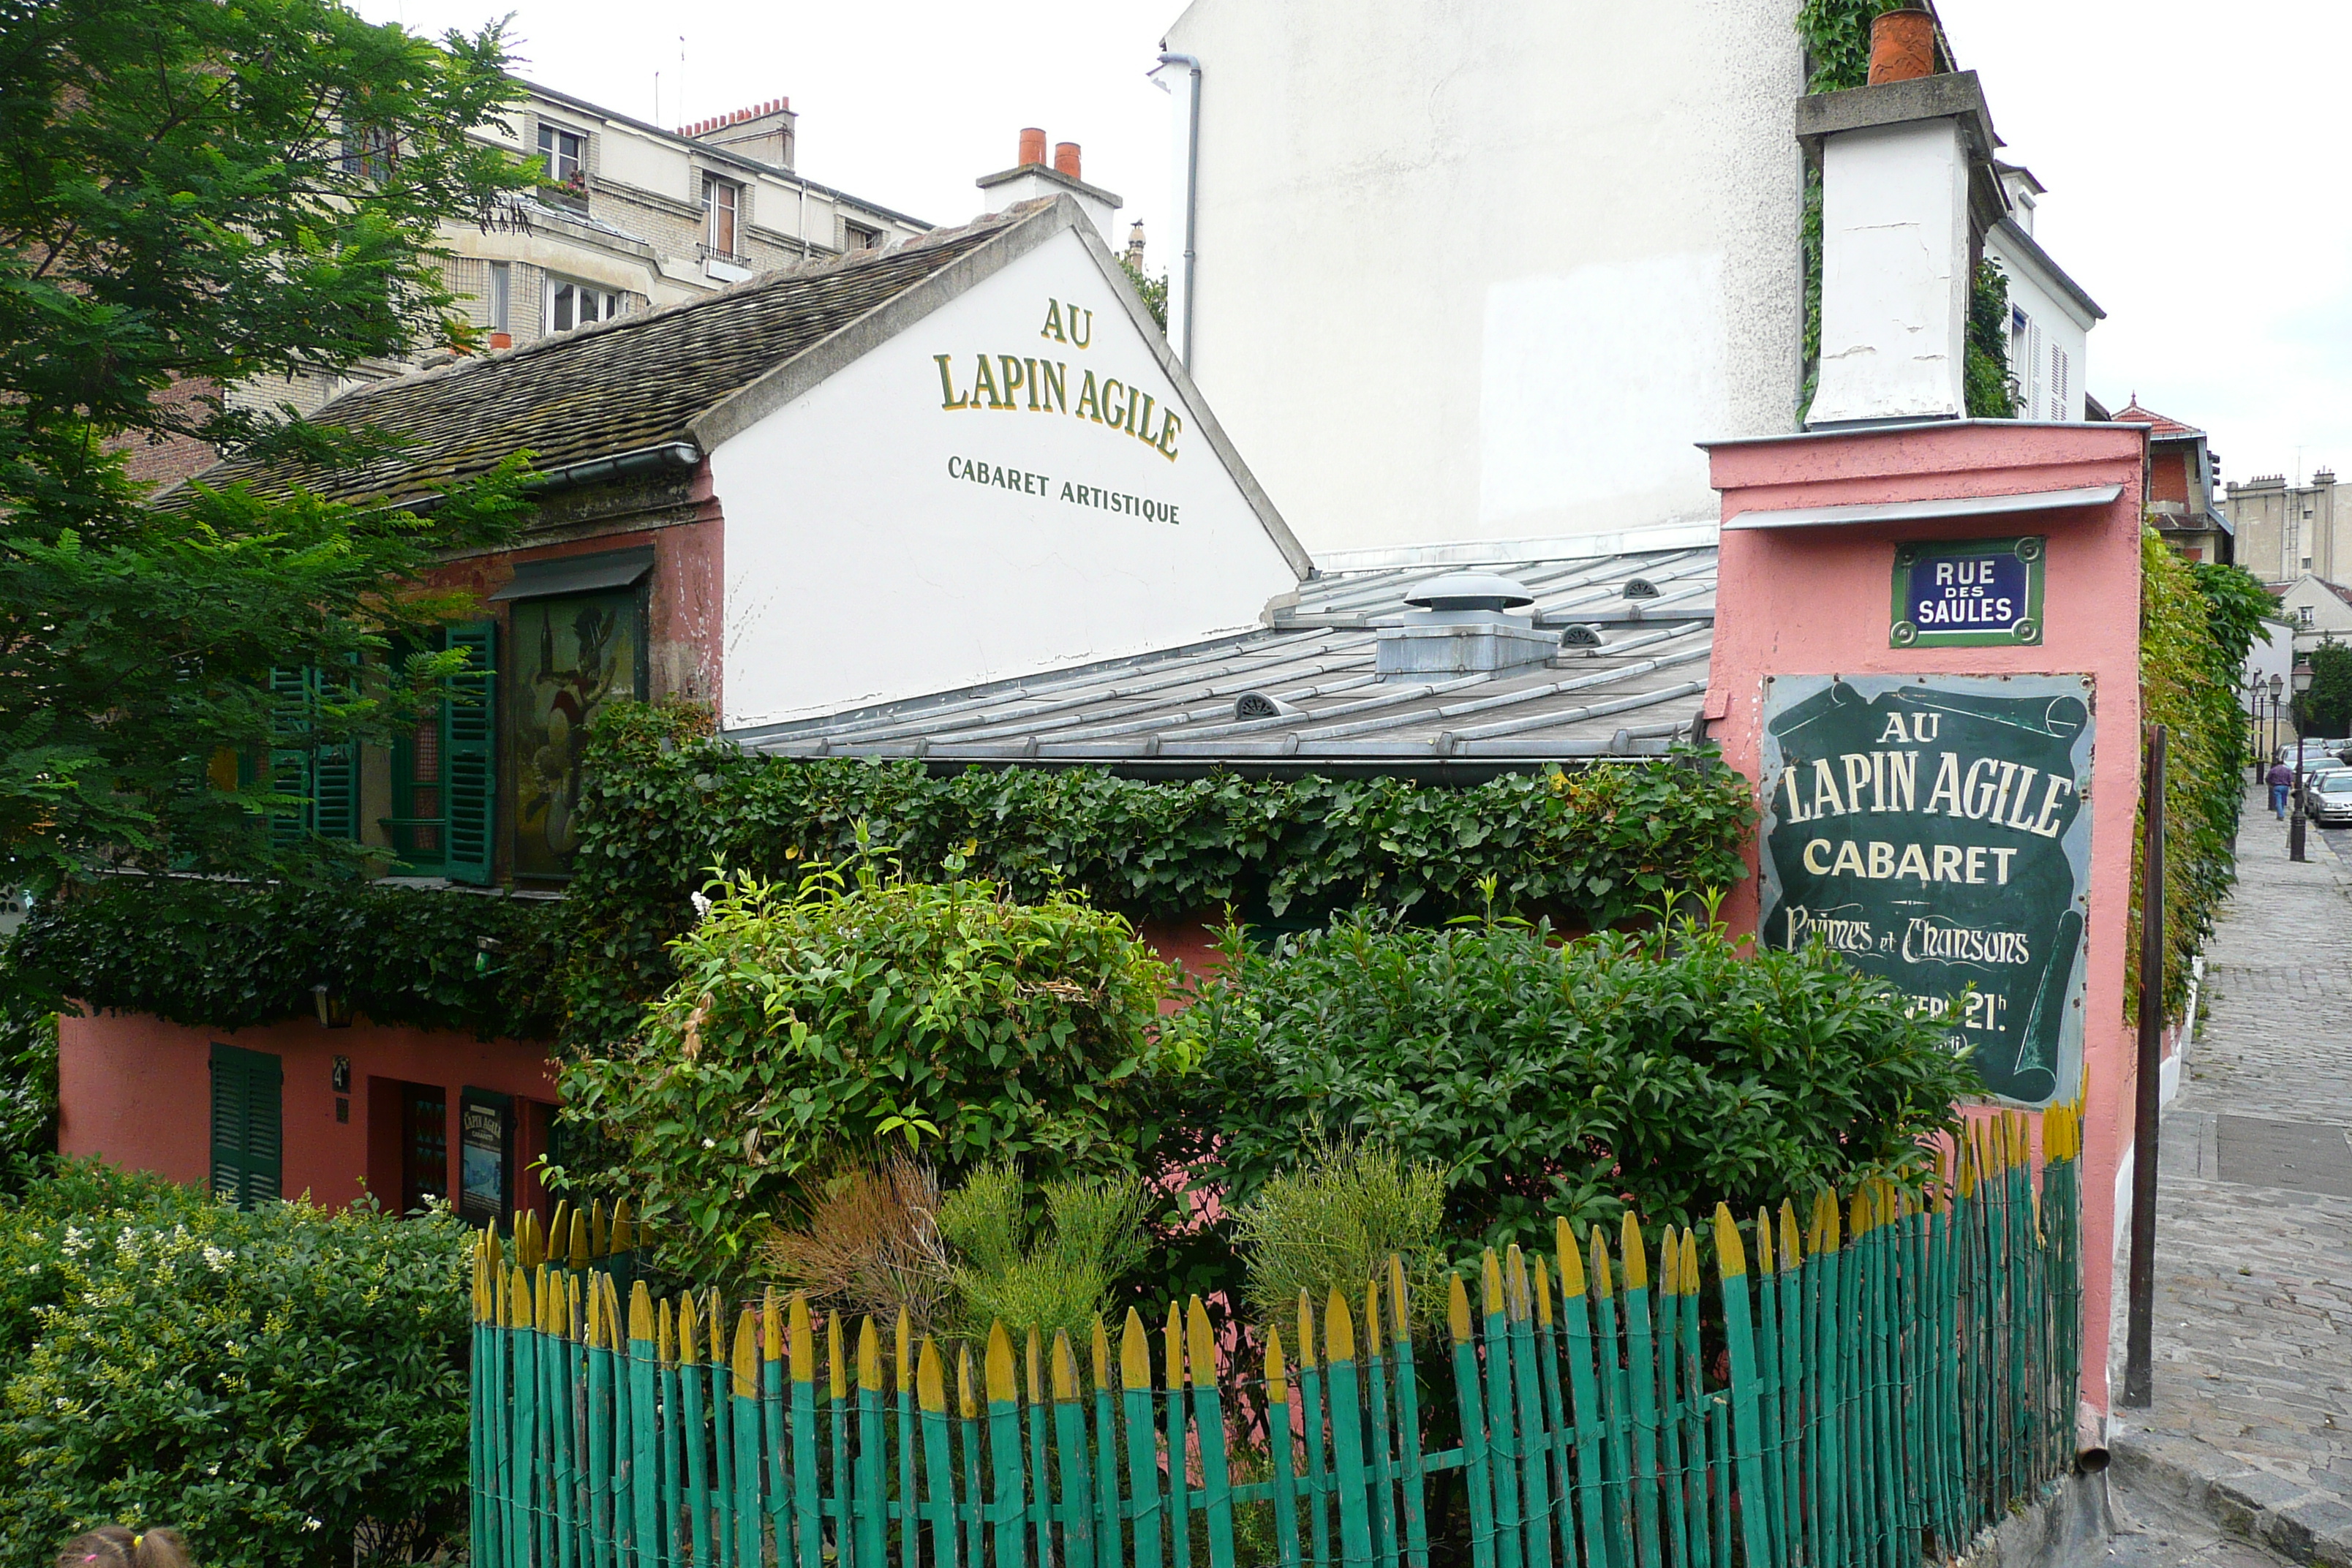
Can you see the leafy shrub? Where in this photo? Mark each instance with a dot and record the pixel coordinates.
(1049, 1277)
(28, 1082)
(847, 1013)
(278, 1383)
(1333, 1221)
(869, 1244)
(228, 955)
(1668, 1071)
(664, 801)
(2196, 623)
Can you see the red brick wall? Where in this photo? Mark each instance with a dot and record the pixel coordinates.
(2168, 477)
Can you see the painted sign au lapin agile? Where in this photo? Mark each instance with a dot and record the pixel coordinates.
(1933, 829)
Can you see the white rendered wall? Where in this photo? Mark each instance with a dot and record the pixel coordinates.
(1894, 273)
(861, 569)
(2057, 329)
(1486, 272)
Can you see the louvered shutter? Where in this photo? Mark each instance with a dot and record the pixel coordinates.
(248, 1135)
(335, 771)
(290, 756)
(468, 755)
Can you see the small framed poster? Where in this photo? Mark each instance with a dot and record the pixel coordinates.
(1967, 593)
(485, 1157)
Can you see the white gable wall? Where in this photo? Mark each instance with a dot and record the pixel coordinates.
(875, 550)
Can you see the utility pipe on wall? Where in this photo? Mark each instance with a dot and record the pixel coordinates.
(1192, 193)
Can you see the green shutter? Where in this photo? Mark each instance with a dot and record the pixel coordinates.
(469, 756)
(326, 777)
(291, 761)
(248, 1136)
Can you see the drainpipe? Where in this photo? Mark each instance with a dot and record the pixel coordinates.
(1191, 66)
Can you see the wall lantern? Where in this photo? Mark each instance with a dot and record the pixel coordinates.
(334, 1011)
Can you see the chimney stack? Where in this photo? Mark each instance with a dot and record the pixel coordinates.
(1909, 190)
(1066, 159)
(1033, 147)
(1034, 179)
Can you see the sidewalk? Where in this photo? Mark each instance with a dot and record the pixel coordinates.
(2253, 1419)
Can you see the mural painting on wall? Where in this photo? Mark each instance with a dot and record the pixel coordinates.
(1931, 830)
(572, 656)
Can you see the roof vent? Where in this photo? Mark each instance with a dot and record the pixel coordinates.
(1259, 705)
(1640, 588)
(1469, 591)
(1581, 635)
(1460, 625)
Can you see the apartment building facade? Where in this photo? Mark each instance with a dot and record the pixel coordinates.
(2287, 529)
(627, 217)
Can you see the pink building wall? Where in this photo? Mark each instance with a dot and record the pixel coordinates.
(137, 1091)
(1814, 601)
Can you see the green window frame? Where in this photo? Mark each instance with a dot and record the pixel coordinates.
(248, 1143)
(444, 774)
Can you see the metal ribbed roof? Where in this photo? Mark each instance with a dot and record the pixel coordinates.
(1636, 689)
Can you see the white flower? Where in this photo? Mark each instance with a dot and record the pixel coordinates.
(710, 1142)
(311, 1524)
(701, 906)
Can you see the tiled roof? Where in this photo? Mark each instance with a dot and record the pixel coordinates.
(1631, 684)
(2133, 414)
(618, 386)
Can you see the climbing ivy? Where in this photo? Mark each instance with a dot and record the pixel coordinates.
(665, 801)
(2196, 625)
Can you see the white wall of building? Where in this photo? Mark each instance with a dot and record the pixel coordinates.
(864, 562)
(1487, 271)
(2049, 337)
(1895, 274)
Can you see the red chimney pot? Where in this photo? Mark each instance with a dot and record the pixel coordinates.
(1065, 158)
(1032, 146)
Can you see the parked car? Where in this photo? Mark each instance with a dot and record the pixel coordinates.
(2328, 797)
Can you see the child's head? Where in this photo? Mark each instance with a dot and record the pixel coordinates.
(111, 1546)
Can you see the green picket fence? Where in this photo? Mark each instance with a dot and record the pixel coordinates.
(1872, 1387)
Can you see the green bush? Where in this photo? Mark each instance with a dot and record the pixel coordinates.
(848, 1014)
(228, 955)
(1332, 1222)
(28, 1082)
(279, 1383)
(1054, 1276)
(664, 802)
(1666, 1072)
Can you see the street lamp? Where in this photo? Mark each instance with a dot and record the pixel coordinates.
(2295, 823)
(2254, 726)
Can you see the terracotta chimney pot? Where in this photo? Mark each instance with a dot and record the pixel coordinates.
(1902, 45)
(1065, 158)
(1032, 146)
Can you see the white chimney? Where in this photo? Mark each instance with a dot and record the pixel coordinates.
(1032, 177)
(1907, 193)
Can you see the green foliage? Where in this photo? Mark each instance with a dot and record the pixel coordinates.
(277, 1384)
(2195, 626)
(663, 801)
(1056, 1276)
(1836, 34)
(1991, 389)
(228, 955)
(2326, 708)
(854, 1011)
(28, 1082)
(1153, 291)
(1332, 1222)
(191, 197)
(1666, 1072)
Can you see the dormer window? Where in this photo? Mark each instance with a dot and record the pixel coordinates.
(571, 305)
(565, 153)
(721, 204)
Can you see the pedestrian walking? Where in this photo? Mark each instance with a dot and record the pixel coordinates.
(2282, 779)
(111, 1546)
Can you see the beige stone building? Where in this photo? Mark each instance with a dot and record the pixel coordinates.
(2285, 531)
(629, 217)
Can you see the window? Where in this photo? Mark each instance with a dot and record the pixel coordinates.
(246, 1125)
(424, 1145)
(571, 305)
(442, 772)
(720, 199)
(572, 656)
(565, 153)
(2303, 612)
(857, 237)
(501, 296)
(324, 778)
(370, 153)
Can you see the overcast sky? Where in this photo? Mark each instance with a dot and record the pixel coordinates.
(2189, 148)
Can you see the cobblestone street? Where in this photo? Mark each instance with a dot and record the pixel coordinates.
(2253, 1421)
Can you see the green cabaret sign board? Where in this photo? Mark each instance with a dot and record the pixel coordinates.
(1933, 830)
